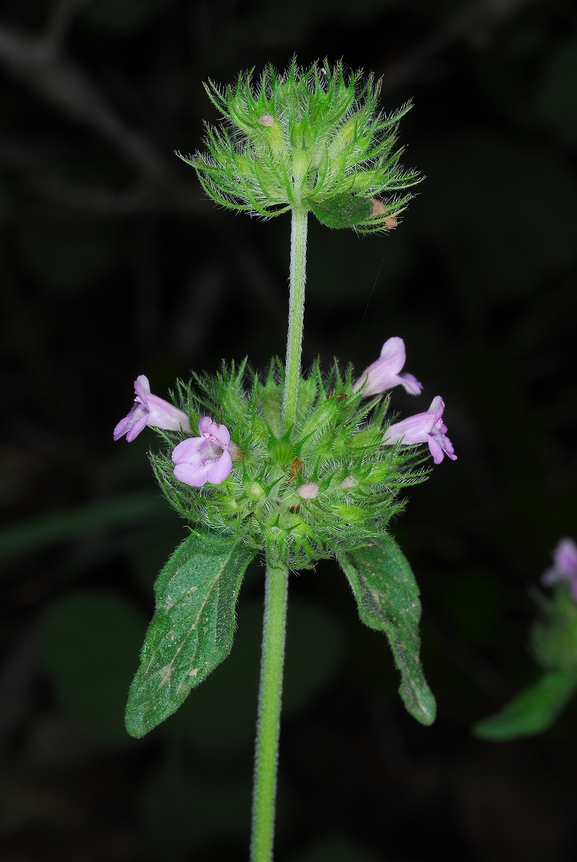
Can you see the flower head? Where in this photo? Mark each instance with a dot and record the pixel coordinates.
(150, 410)
(325, 486)
(206, 458)
(564, 566)
(311, 139)
(384, 373)
(424, 428)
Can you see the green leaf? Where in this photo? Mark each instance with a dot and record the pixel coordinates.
(192, 629)
(533, 711)
(388, 600)
(342, 210)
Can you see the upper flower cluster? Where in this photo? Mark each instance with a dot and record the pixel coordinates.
(310, 139)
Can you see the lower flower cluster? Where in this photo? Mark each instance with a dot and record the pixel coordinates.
(329, 483)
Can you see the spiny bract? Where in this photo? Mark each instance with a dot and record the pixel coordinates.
(327, 484)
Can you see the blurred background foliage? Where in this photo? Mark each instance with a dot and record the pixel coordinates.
(113, 264)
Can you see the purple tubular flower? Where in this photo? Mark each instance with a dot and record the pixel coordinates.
(424, 428)
(150, 410)
(564, 566)
(206, 458)
(384, 373)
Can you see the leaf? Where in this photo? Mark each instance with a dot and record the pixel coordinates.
(192, 629)
(388, 600)
(342, 210)
(533, 711)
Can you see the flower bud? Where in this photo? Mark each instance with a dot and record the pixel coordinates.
(308, 491)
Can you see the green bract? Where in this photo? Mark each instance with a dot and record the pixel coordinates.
(328, 484)
(306, 139)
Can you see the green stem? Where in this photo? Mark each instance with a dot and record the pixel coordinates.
(296, 315)
(269, 704)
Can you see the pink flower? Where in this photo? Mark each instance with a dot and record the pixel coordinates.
(424, 428)
(384, 373)
(150, 410)
(206, 458)
(564, 566)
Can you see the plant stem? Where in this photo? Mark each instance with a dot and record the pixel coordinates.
(296, 315)
(276, 590)
(269, 704)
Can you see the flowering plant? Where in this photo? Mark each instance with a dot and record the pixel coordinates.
(554, 646)
(290, 467)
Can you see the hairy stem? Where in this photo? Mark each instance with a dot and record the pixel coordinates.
(296, 315)
(269, 705)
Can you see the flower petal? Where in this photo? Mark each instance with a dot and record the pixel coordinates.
(424, 428)
(203, 459)
(437, 407)
(394, 354)
(142, 387)
(565, 557)
(193, 459)
(436, 450)
(164, 415)
(414, 429)
(195, 474)
(132, 424)
(384, 373)
(219, 470)
(150, 410)
(410, 383)
(213, 430)
(189, 449)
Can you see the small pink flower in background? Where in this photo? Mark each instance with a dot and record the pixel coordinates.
(384, 373)
(424, 428)
(564, 566)
(206, 458)
(150, 410)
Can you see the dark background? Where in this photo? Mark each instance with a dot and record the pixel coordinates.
(113, 264)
